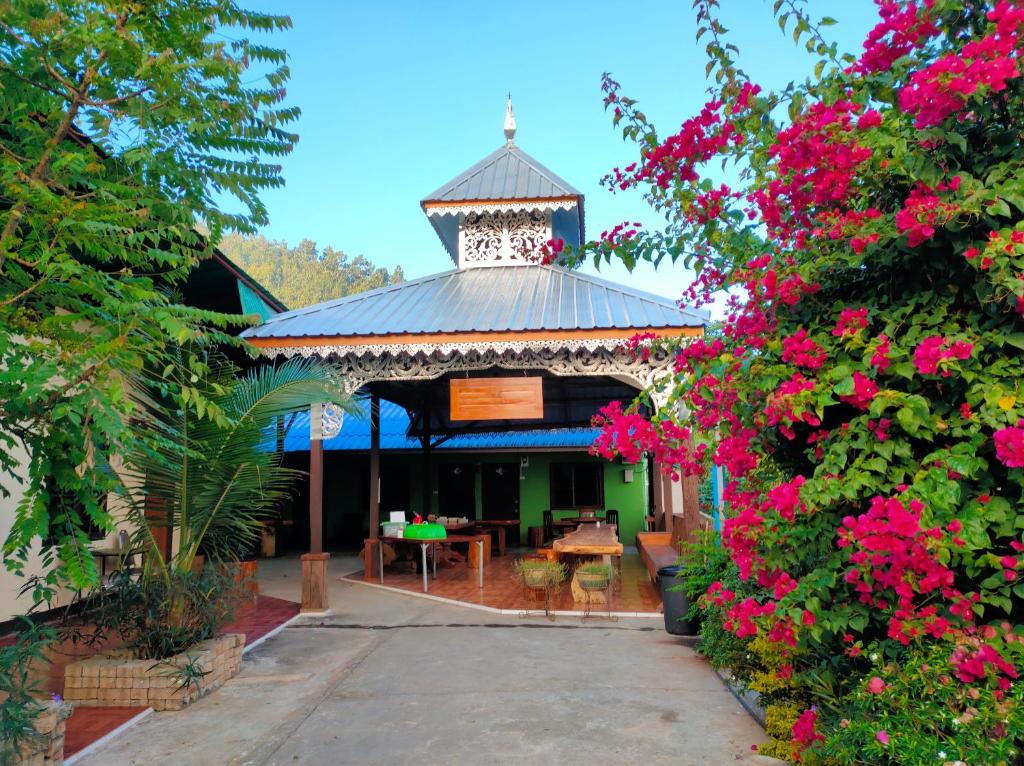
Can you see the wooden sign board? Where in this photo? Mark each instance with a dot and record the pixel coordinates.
(497, 398)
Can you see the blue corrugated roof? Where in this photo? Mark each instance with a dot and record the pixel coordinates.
(355, 435)
(495, 299)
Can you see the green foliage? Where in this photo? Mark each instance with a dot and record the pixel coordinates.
(304, 274)
(541, 574)
(159, 617)
(866, 393)
(19, 690)
(703, 563)
(121, 126)
(929, 716)
(217, 481)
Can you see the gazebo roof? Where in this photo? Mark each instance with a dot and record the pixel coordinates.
(496, 300)
(506, 174)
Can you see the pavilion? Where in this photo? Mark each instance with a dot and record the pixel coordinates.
(500, 343)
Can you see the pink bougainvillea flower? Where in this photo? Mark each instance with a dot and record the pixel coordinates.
(1010, 445)
(935, 349)
(864, 390)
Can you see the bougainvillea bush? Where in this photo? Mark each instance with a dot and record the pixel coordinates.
(865, 396)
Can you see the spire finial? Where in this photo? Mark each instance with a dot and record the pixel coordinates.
(510, 121)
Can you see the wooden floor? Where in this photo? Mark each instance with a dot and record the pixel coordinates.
(634, 592)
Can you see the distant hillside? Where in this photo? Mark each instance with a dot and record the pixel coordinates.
(303, 275)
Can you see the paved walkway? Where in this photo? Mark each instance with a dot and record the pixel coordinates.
(391, 679)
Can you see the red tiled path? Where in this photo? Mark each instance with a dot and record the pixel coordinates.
(88, 724)
(502, 589)
(256, 620)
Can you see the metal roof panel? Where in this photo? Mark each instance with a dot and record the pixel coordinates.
(491, 299)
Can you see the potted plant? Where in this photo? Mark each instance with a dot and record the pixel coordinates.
(218, 481)
(540, 575)
(594, 576)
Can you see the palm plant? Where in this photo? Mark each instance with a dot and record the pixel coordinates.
(214, 473)
(215, 479)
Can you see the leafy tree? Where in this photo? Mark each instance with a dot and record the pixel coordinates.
(865, 395)
(304, 274)
(121, 125)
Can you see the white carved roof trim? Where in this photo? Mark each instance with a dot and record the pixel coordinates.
(411, 349)
(544, 206)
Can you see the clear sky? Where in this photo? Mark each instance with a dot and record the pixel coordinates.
(399, 97)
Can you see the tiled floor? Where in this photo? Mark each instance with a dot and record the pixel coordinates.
(88, 724)
(634, 592)
(256, 620)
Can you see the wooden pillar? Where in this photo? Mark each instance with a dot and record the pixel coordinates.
(691, 508)
(427, 473)
(657, 496)
(316, 479)
(314, 582)
(668, 505)
(374, 466)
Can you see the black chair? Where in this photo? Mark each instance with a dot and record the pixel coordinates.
(549, 526)
(612, 517)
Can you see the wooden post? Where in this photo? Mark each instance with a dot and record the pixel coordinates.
(314, 582)
(668, 506)
(316, 479)
(427, 476)
(374, 466)
(691, 507)
(658, 496)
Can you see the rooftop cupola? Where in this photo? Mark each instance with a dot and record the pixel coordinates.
(505, 208)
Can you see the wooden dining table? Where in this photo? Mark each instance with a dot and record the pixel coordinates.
(499, 526)
(431, 544)
(590, 540)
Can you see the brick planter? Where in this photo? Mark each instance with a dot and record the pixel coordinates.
(120, 681)
(48, 748)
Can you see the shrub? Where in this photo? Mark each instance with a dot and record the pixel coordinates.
(865, 393)
(159, 617)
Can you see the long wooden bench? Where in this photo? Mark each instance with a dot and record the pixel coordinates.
(656, 551)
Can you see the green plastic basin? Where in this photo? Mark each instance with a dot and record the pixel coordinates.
(425, 532)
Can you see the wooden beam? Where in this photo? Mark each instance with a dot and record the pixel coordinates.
(404, 339)
(374, 466)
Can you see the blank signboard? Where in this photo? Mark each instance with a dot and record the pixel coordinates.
(497, 398)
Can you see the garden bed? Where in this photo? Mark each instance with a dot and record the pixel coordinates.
(160, 684)
(47, 749)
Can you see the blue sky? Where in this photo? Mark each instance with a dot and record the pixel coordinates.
(399, 97)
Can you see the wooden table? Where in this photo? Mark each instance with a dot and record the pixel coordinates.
(499, 526)
(424, 544)
(456, 527)
(591, 541)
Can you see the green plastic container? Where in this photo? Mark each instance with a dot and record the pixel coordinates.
(425, 532)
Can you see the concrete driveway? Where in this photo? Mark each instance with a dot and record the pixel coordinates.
(393, 679)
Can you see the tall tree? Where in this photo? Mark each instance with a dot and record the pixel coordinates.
(121, 125)
(304, 274)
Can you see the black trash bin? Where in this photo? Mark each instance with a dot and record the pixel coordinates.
(674, 601)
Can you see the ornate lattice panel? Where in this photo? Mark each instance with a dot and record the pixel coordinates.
(503, 237)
